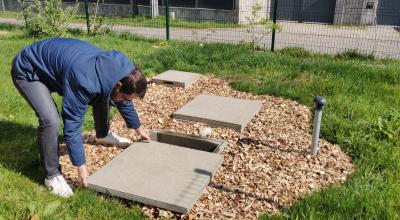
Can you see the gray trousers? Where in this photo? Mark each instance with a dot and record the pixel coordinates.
(39, 98)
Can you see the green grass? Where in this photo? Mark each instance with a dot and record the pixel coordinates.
(8, 14)
(21, 178)
(159, 22)
(362, 116)
(142, 21)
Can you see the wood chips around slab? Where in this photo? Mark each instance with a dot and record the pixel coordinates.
(266, 167)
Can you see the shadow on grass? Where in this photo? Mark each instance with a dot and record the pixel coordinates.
(19, 150)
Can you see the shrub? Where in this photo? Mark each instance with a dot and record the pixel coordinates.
(298, 52)
(258, 26)
(47, 18)
(354, 54)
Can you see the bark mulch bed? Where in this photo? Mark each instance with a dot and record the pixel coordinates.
(266, 167)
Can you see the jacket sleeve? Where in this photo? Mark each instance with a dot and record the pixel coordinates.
(74, 106)
(128, 112)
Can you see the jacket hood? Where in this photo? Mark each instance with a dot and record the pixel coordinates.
(111, 67)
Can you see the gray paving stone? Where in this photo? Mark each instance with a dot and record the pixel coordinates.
(220, 111)
(176, 78)
(157, 174)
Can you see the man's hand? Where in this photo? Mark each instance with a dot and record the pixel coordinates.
(83, 175)
(143, 134)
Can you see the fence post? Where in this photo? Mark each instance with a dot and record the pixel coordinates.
(87, 16)
(167, 17)
(273, 29)
(3, 6)
(24, 13)
(135, 10)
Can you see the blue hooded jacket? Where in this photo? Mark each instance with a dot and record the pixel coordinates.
(82, 74)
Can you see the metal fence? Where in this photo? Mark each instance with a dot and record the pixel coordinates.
(322, 26)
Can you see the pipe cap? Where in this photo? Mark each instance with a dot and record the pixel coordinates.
(319, 101)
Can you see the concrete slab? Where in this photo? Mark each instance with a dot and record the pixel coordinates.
(157, 174)
(177, 78)
(220, 111)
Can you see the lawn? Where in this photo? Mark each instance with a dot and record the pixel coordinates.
(8, 14)
(141, 21)
(362, 116)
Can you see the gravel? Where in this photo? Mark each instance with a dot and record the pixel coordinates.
(266, 167)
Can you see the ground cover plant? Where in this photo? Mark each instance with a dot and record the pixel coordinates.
(362, 115)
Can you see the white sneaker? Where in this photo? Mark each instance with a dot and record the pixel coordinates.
(113, 139)
(57, 185)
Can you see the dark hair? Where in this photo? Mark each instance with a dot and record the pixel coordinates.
(135, 82)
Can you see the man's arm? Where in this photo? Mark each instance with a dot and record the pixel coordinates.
(74, 106)
(129, 114)
(73, 112)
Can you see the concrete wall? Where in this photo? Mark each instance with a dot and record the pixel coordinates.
(203, 14)
(368, 14)
(12, 5)
(154, 8)
(199, 14)
(355, 12)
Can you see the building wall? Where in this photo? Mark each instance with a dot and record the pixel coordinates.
(355, 12)
(199, 14)
(384, 12)
(12, 5)
(203, 14)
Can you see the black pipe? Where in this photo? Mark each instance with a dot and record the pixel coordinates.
(273, 28)
(167, 17)
(87, 16)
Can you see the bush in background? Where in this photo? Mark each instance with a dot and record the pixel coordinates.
(297, 52)
(354, 54)
(47, 18)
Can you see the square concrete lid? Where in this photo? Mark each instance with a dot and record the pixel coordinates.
(157, 174)
(220, 111)
(177, 78)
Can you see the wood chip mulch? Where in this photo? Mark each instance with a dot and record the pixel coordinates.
(266, 167)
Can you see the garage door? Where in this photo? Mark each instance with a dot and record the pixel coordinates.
(305, 10)
(388, 12)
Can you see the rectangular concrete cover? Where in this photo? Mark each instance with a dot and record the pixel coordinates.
(176, 78)
(220, 111)
(157, 174)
